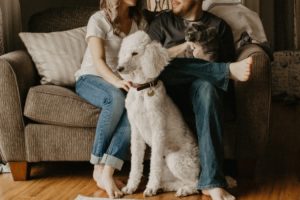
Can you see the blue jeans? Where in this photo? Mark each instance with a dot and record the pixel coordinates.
(112, 138)
(205, 84)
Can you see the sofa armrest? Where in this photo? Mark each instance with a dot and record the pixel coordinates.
(17, 75)
(253, 99)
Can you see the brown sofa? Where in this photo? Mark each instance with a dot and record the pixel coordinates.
(51, 123)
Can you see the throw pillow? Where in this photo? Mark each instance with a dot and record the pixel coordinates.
(57, 55)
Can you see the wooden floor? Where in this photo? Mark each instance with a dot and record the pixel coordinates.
(278, 177)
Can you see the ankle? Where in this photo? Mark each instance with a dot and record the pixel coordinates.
(108, 171)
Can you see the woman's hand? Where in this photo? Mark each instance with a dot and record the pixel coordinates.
(122, 84)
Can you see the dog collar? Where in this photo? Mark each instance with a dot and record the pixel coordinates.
(140, 87)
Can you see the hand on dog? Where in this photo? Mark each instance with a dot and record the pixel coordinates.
(122, 84)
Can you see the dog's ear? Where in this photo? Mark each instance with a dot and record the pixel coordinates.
(154, 59)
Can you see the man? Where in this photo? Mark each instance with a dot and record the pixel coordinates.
(168, 28)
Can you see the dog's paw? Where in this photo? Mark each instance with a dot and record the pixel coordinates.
(150, 192)
(186, 191)
(231, 182)
(128, 190)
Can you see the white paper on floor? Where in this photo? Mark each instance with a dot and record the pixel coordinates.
(4, 168)
(80, 197)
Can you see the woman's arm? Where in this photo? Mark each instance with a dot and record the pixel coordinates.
(97, 49)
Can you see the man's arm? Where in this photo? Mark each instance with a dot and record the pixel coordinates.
(226, 43)
(156, 32)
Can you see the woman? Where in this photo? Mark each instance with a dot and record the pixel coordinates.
(97, 83)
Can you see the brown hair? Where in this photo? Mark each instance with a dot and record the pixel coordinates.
(110, 8)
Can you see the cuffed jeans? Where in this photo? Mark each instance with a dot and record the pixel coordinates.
(112, 138)
(206, 84)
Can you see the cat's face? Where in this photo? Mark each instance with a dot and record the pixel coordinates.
(193, 31)
(199, 32)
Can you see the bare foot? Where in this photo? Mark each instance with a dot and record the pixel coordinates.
(240, 71)
(97, 174)
(218, 194)
(109, 183)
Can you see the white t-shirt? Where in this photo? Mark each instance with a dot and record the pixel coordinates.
(99, 26)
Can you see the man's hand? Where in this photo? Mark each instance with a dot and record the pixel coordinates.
(178, 50)
(198, 51)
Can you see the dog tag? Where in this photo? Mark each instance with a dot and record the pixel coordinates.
(150, 93)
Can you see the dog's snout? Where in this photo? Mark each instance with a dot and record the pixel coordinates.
(120, 69)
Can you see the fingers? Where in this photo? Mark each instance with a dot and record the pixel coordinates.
(125, 87)
(128, 84)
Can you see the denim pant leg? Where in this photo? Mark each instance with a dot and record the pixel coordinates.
(207, 106)
(111, 100)
(120, 144)
(186, 70)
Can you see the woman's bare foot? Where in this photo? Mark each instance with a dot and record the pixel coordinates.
(240, 71)
(109, 183)
(97, 174)
(218, 194)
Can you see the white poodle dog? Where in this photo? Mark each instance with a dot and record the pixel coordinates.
(156, 121)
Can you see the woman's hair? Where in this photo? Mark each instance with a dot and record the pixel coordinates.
(110, 8)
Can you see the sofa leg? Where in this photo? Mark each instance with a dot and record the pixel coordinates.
(20, 170)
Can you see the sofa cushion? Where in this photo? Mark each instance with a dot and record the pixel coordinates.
(55, 105)
(57, 55)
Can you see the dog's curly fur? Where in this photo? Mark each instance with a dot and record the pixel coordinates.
(156, 121)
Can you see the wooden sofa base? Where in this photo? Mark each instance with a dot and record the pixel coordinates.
(20, 170)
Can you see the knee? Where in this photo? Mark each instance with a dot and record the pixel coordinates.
(115, 99)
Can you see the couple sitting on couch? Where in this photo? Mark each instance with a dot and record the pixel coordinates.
(99, 84)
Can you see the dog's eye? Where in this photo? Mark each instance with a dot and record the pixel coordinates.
(134, 53)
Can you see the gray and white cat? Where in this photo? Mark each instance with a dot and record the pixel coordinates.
(204, 35)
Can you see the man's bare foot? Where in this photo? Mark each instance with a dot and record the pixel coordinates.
(218, 194)
(109, 183)
(240, 71)
(97, 174)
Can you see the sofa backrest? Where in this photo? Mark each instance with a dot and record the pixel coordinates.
(60, 19)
